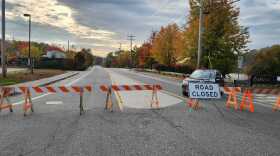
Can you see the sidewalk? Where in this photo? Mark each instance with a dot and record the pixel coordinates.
(11, 70)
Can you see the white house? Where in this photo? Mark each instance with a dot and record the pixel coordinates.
(55, 54)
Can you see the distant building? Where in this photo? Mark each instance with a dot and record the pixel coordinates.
(54, 54)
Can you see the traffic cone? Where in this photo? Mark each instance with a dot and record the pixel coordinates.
(155, 100)
(4, 95)
(247, 101)
(232, 99)
(277, 105)
(27, 101)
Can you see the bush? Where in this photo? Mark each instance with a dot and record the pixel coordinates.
(63, 64)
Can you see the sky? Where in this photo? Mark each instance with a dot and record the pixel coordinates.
(102, 25)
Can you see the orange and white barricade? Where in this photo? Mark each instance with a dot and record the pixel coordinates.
(4, 97)
(277, 104)
(109, 89)
(271, 92)
(232, 96)
(52, 89)
(247, 101)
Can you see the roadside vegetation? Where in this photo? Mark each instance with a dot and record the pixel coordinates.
(24, 76)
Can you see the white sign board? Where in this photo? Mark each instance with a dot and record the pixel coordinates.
(201, 90)
(278, 78)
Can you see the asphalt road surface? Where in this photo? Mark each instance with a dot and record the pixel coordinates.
(56, 128)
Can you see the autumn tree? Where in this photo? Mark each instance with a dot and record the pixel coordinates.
(223, 37)
(167, 45)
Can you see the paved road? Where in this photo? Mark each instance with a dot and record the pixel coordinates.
(57, 129)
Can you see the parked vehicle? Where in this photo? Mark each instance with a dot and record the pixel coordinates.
(207, 75)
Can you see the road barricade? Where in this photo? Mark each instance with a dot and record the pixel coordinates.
(232, 98)
(27, 90)
(4, 97)
(247, 101)
(247, 97)
(108, 89)
(277, 105)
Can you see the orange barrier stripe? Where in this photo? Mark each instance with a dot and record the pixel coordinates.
(51, 89)
(126, 87)
(64, 89)
(159, 87)
(148, 87)
(137, 87)
(115, 88)
(76, 89)
(38, 89)
(88, 88)
(23, 89)
(104, 88)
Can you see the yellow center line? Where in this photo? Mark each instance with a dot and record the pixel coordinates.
(118, 96)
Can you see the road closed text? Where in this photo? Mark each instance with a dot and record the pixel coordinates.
(204, 91)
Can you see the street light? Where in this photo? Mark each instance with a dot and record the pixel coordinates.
(30, 62)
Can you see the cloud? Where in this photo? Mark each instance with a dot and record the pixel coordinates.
(51, 12)
(103, 24)
(262, 18)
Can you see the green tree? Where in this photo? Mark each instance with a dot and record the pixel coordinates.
(266, 62)
(35, 52)
(223, 37)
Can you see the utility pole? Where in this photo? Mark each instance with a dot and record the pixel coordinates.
(3, 56)
(30, 59)
(68, 46)
(199, 52)
(131, 38)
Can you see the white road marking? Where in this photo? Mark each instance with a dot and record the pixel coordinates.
(54, 103)
(34, 98)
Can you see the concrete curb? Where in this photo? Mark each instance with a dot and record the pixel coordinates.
(173, 74)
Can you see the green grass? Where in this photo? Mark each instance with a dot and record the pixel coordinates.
(24, 76)
(7, 81)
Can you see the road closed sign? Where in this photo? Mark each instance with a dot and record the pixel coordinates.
(202, 90)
